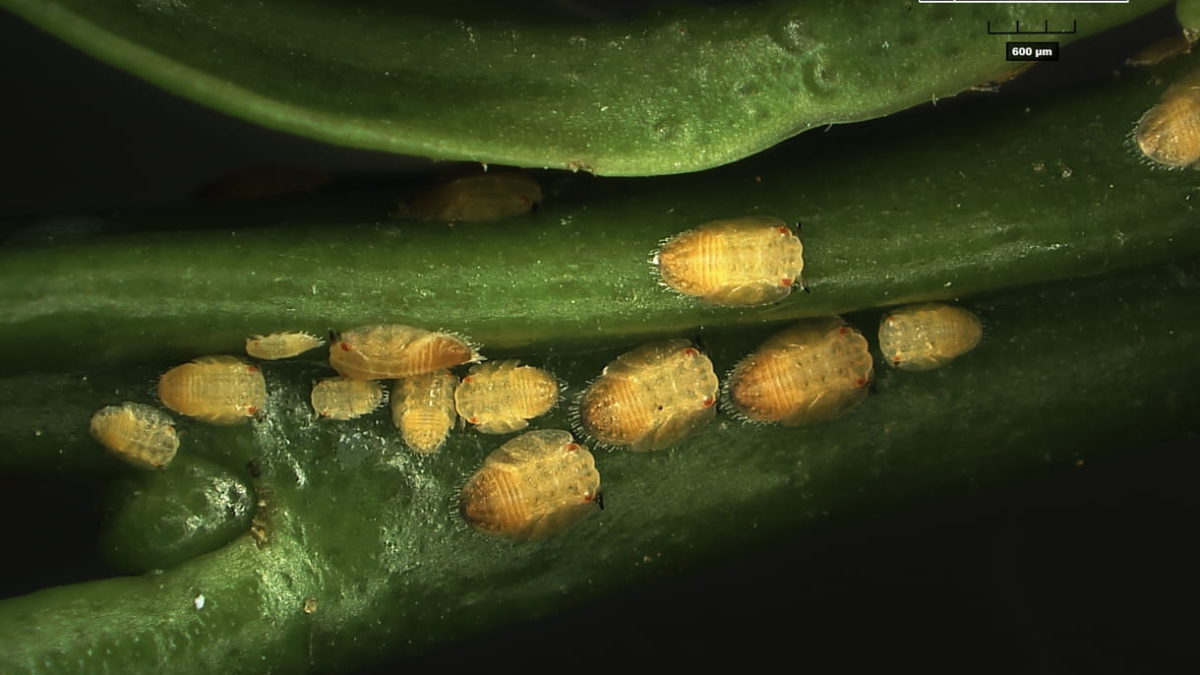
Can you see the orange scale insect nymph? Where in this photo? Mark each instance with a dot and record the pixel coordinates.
(651, 398)
(736, 262)
(214, 389)
(535, 485)
(928, 336)
(423, 409)
(479, 198)
(281, 345)
(811, 372)
(139, 434)
(1168, 134)
(341, 398)
(393, 351)
(500, 397)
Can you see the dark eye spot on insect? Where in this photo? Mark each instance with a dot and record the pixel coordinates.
(709, 401)
(785, 282)
(691, 351)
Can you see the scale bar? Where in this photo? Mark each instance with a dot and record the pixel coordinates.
(1024, 2)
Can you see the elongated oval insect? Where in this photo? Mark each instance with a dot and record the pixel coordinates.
(652, 397)
(479, 198)
(341, 398)
(214, 389)
(811, 372)
(533, 486)
(1161, 50)
(738, 262)
(393, 351)
(927, 336)
(281, 345)
(500, 397)
(1169, 133)
(423, 409)
(139, 434)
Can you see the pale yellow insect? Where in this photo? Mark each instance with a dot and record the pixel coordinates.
(423, 409)
(489, 196)
(215, 389)
(928, 336)
(340, 398)
(753, 260)
(499, 397)
(533, 486)
(1169, 133)
(139, 434)
(1161, 50)
(651, 397)
(811, 372)
(281, 345)
(392, 351)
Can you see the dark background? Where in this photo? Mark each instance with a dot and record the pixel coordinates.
(1089, 571)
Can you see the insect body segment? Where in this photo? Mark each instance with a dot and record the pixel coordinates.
(281, 345)
(392, 351)
(483, 197)
(1168, 134)
(534, 485)
(742, 262)
(214, 389)
(924, 337)
(340, 398)
(651, 397)
(814, 371)
(499, 397)
(423, 409)
(139, 434)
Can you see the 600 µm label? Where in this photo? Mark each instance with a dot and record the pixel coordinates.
(1031, 51)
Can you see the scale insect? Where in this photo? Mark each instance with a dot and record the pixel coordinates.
(500, 397)
(340, 398)
(927, 336)
(139, 434)
(737, 262)
(479, 198)
(652, 397)
(393, 351)
(423, 409)
(1168, 134)
(1161, 50)
(535, 485)
(281, 345)
(811, 372)
(214, 389)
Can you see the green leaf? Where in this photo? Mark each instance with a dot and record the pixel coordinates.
(948, 204)
(366, 535)
(665, 91)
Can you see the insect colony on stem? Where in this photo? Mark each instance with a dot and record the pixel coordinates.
(652, 397)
